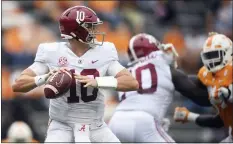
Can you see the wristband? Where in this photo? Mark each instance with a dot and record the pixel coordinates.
(107, 82)
(40, 80)
(192, 116)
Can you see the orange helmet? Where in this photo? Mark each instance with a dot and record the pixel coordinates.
(217, 52)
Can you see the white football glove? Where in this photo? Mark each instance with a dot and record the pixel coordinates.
(171, 54)
(226, 93)
(168, 48)
(181, 114)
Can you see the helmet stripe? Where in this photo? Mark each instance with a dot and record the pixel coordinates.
(209, 41)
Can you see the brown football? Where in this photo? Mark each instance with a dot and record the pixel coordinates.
(58, 84)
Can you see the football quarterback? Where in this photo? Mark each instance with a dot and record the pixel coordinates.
(77, 115)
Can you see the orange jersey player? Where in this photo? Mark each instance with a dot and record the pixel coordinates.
(216, 76)
(19, 132)
(219, 82)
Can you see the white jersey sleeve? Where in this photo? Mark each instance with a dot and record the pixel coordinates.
(41, 54)
(114, 66)
(39, 68)
(112, 51)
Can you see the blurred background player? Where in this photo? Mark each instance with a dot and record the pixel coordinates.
(216, 76)
(139, 116)
(19, 132)
(77, 116)
(185, 24)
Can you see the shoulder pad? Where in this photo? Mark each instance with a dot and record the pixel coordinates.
(110, 50)
(44, 50)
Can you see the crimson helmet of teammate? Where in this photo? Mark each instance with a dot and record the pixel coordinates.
(141, 45)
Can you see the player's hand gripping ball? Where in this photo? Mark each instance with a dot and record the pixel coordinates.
(58, 84)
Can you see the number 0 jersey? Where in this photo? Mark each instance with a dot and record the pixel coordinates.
(79, 104)
(155, 87)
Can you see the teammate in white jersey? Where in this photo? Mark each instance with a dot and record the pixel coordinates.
(77, 116)
(138, 118)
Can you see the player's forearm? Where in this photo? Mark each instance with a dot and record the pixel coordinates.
(206, 120)
(121, 83)
(198, 96)
(189, 89)
(24, 83)
(127, 83)
(123, 80)
(209, 121)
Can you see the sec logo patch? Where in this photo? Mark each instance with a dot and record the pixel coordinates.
(62, 61)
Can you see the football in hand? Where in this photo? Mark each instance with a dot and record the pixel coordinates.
(58, 84)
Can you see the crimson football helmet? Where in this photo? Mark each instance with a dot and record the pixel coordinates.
(141, 45)
(79, 22)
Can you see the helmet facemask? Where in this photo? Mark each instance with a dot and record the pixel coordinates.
(217, 52)
(215, 60)
(91, 38)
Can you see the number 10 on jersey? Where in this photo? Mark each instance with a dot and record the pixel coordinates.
(74, 98)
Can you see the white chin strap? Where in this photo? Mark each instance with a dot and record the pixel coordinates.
(93, 43)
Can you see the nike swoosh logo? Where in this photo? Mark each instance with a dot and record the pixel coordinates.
(100, 125)
(39, 79)
(60, 82)
(94, 61)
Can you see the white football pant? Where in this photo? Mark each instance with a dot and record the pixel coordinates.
(62, 132)
(138, 126)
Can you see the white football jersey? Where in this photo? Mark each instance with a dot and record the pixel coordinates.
(79, 104)
(155, 87)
